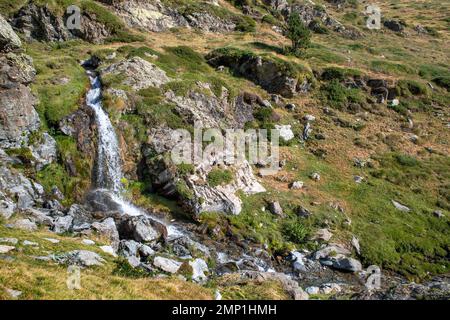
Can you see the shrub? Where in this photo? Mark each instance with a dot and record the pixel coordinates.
(411, 87)
(218, 177)
(295, 231)
(406, 160)
(444, 82)
(298, 33)
(246, 24)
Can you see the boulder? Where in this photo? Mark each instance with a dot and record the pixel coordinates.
(347, 264)
(199, 267)
(82, 258)
(167, 265)
(8, 38)
(138, 73)
(109, 250)
(62, 224)
(25, 224)
(128, 248)
(81, 218)
(141, 229)
(400, 206)
(39, 216)
(285, 132)
(275, 208)
(108, 229)
(5, 249)
(322, 235)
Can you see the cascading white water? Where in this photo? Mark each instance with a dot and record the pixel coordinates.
(109, 171)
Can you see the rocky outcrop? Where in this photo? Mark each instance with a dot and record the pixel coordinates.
(275, 76)
(39, 22)
(8, 38)
(159, 17)
(138, 73)
(18, 118)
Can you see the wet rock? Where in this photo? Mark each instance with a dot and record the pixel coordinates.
(400, 206)
(199, 267)
(82, 258)
(8, 38)
(138, 73)
(141, 229)
(167, 265)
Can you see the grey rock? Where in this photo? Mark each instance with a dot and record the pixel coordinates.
(302, 212)
(81, 218)
(8, 38)
(347, 264)
(315, 176)
(138, 73)
(5, 249)
(25, 224)
(331, 250)
(167, 265)
(15, 294)
(82, 258)
(312, 290)
(358, 179)
(285, 132)
(62, 224)
(296, 185)
(400, 206)
(133, 261)
(108, 229)
(88, 242)
(128, 248)
(141, 229)
(39, 216)
(199, 267)
(322, 235)
(13, 241)
(438, 214)
(44, 151)
(51, 240)
(275, 208)
(356, 245)
(109, 249)
(145, 251)
(30, 243)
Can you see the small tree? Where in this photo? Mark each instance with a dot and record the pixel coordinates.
(298, 33)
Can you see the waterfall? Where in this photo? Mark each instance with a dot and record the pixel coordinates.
(109, 173)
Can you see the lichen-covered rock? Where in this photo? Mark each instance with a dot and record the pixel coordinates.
(138, 73)
(8, 38)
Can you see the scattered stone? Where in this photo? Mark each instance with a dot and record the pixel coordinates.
(438, 213)
(312, 290)
(395, 103)
(306, 131)
(13, 241)
(82, 258)
(322, 235)
(358, 179)
(315, 176)
(167, 265)
(30, 243)
(109, 250)
(309, 117)
(290, 106)
(133, 261)
(88, 242)
(275, 208)
(302, 212)
(13, 293)
(6, 249)
(25, 224)
(217, 295)
(394, 25)
(54, 241)
(199, 267)
(296, 185)
(400, 206)
(285, 132)
(329, 288)
(355, 244)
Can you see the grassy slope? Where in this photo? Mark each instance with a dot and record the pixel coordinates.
(412, 243)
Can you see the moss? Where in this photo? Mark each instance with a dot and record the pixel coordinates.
(217, 177)
(183, 190)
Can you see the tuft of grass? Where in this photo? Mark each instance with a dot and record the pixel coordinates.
(217, 177)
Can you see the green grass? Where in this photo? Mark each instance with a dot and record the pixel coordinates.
(217, 177)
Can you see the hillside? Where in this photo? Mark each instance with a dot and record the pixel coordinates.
(364, 173)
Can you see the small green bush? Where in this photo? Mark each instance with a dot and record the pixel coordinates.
(298, 33)
(217, 177)
(295, 231)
